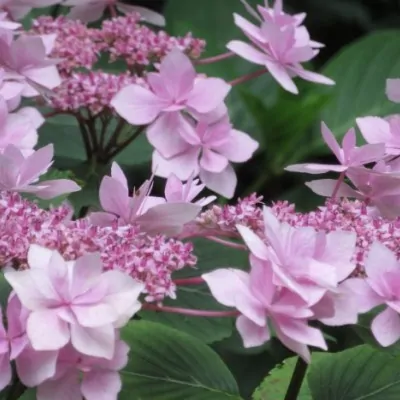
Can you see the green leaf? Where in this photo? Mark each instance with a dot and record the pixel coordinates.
(210, 256)
(360, 71)
(5, 290)
(29, 394)
(358, 373)
(275, 385)
(170, 365)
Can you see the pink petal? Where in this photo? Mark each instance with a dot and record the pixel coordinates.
(367, 154)
(54, 188)
(280, 74)
(47, 331)
(349, 141)
(122, 295)
(315, 168)
(95, 342)
(393, 90)
(39, 257)
(114, 197)
(137, 105)
(66, 387)
(169, 218)
(200, 99)
(374, 129)
(118, 174)
(88, 12)
(239, 148)
(380, 260)
(223, 183)
(253, 335)
(5, 370)
(248, 28)
(173, 188)
(101, 385)
(247, 52)
(386, 327)
(300, 348)
(332, 143)
(102, 218)
(36, 164)
(178, 74)
(35, 367)
(47, 77)
(94, 315)
(312, 76)
(253, 242)
(212, 161)
(166, 134)
(183, 165)
(325, 187)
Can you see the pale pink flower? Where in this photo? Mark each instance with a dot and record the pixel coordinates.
(382, 130)
(11, 91)
(5, 366)
(280, 45)
(379, 189)
(19, 8)
(349, 155)
(259, 302)
(172, 90)
(393, 90)
(207, 151)
(6, 23)
(178, 192)
(74, 301)
(307, 262)
(92, 10)
(25, 60)
(19, 173)
(20, 128)
(80, 376)
(152, 213)
(382, 287)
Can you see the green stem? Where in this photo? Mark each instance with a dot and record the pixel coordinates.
(297, 379)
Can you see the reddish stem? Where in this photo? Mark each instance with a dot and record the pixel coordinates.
(338, 183)
(210, 60)
(198, 280)
(113, 11)
(247, 77)
(188, 311)
(227, 243)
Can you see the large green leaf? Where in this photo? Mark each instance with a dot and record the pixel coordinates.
(358, 373)
(360, 71)
(170, 365)
(210, 256)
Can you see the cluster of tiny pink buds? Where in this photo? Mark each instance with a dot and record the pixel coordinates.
(93, 90)
(150, 260)
(76, 44)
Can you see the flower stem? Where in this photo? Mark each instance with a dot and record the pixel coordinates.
(247, 77)
(210, 60)
(188, 311)
(297, 379)
(338, 183)
(198, 280)
(227, 243)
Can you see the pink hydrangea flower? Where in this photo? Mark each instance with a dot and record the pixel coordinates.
(393, 90)
(382, 130)
(74, 301)
(19, 173)
(152, 213)
(92, 10)
(259, 302)
(20, 128)
(207, 151)
(378, 188)
(349, 155)
(382, 287)
(280, 45)
(25, 60)
(307, 262)
(80, 376)
(19, 8)
(178, 192)
(172, 90)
